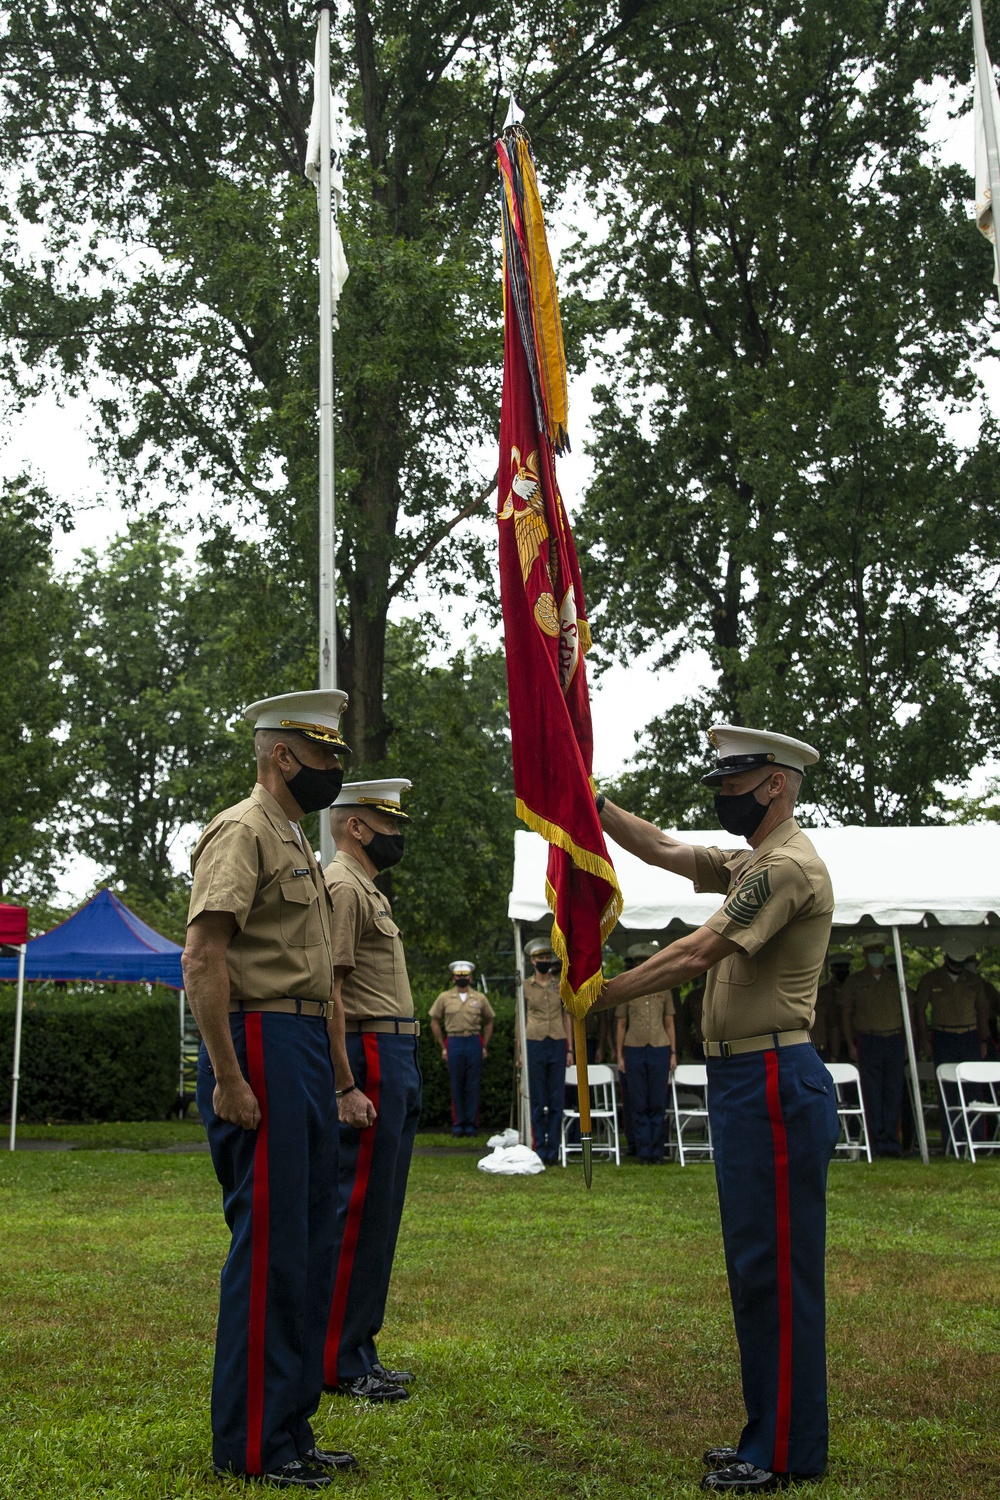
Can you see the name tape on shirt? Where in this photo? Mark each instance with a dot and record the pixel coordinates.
(301, 872)
(748, 898)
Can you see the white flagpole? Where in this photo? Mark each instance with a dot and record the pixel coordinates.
(987, 90)
(327, 555)
(16, 1072)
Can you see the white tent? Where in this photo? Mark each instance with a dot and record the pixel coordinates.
(924, 884)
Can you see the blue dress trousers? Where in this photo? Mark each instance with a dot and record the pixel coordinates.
(279, 1193)
(774, 1128)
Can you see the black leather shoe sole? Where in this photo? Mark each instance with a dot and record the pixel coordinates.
(719, 1458)
(293, 1476)
(330, 1458)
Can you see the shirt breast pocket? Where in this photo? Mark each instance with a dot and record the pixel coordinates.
(386, 944)
(742, 968)
(301, 917)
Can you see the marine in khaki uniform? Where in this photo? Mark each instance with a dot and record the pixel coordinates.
(367, 820)
(646, 1049)
(953, 1006)
(462, 1023)
(872, 1023)
(772, 1107)
(549, 1046)
(258, 970)
(826, 1032)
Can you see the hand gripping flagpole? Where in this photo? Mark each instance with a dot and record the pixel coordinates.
(327, 557)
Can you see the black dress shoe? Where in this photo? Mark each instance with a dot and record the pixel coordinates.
(719, 1458)
(293, 1476)
(329, 1458)
(370, 1388)
(746, 1479)
(392, 1377)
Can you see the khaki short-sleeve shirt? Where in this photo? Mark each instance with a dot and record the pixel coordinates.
(869, 1002)
(366, 942)
(778, 912)
(646, 1020)
(961, 1002)
(249, 862)
(827, 1018)
(544, 1013)
(462, 1015)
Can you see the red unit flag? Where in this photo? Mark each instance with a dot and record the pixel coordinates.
(545, 626)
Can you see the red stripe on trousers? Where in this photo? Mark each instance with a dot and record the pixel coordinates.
(783, 1417)
(260, 1221)
(451, 1091)
(355, 1209)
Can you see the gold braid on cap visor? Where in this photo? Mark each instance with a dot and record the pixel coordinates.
(317, 732)
(381, 804)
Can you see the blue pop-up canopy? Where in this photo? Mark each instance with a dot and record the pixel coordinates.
(103, 941)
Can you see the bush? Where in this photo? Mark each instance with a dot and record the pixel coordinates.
(498, 1069)
(92, 1053)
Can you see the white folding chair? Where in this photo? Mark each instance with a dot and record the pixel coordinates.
(985, 1108)
(953, 1121)
(603, 1116)
(850, 1110)
(689, 1092)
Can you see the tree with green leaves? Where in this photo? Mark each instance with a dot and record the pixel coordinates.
(156, 153)
(451, 737)
(798, 297)
(148, 742)
(33, 622)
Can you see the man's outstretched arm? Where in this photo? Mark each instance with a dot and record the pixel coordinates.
(647, 843)
(686, 959)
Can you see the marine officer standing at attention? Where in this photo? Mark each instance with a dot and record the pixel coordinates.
(826, 1028)
(549, 1040)
(466, 1017)
(771, 1103)
(872, 1022)
(646, 1048)
(272, 1077)
(958, 1008)
(381, 1034)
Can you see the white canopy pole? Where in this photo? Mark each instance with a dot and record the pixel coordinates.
(911, 1051)
(327, 556)
(524, 1087)
(18, 1014)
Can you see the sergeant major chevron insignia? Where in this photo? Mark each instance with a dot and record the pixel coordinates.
(748, 898)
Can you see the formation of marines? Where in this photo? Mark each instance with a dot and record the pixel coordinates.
(310, 1089)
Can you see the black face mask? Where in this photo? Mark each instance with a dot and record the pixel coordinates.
(554, 967)
(383, 849)
(462, 981)
(741, 814)
(314, 789)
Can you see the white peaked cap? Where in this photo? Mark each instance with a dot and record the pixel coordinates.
(315, 714)
(382, 796)
(741, 749)
(462, 966)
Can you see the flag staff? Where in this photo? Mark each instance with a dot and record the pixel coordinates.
(987, 94)
(327, 496)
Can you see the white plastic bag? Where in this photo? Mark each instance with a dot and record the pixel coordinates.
(512, 1161)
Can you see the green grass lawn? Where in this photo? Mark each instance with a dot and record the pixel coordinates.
(566, 1343)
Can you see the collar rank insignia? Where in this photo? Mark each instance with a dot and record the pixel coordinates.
(748, 898)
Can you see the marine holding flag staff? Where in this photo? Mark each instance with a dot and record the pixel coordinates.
(771, 1103)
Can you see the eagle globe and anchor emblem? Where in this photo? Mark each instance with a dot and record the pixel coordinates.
(530, 531)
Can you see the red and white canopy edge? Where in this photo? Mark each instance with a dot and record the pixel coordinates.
(926, 885)
(14, 934)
